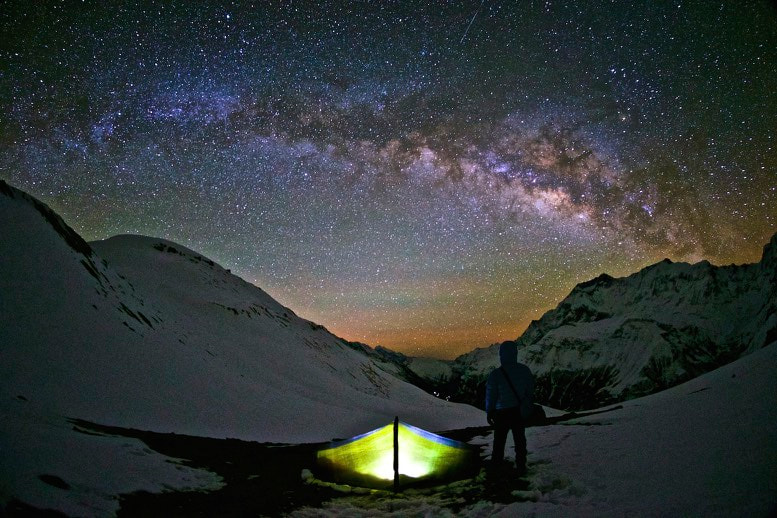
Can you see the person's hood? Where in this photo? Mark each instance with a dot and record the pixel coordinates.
(508, 353)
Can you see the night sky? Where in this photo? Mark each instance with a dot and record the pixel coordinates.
(426, 176)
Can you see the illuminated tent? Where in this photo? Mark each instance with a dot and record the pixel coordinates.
(396, 454)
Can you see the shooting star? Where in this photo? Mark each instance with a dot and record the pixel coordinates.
(471, 21)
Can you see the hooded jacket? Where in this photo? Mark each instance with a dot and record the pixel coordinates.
(499, 394)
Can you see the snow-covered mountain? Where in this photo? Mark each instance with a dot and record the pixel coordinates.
(143, 333)
(138, 331)
(615, 339)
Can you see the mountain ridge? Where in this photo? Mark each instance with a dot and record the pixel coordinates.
(145, 333)
(612, 339)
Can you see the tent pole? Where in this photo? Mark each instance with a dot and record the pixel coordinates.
(396, 454)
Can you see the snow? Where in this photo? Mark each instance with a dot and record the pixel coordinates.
(704, 448)
(95, 468)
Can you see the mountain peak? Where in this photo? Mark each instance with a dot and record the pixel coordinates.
(70, 236)
(602, 280)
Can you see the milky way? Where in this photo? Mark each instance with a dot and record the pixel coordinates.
(425, 176)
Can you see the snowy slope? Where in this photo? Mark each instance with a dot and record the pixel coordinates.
(613, 339)
(46, 463)
(707, 447)
(285, 366)
(143, 333)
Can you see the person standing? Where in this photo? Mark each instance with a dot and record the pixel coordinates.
(509, 404)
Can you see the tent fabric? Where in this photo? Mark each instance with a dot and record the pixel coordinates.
(368, 459)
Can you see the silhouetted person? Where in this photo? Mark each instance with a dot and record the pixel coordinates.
(509, 404)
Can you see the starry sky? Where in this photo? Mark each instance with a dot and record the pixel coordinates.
(426, 176)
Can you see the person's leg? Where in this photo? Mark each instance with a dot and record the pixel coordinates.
(501, 427)
(519, 438)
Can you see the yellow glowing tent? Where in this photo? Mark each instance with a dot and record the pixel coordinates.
(396, 454)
